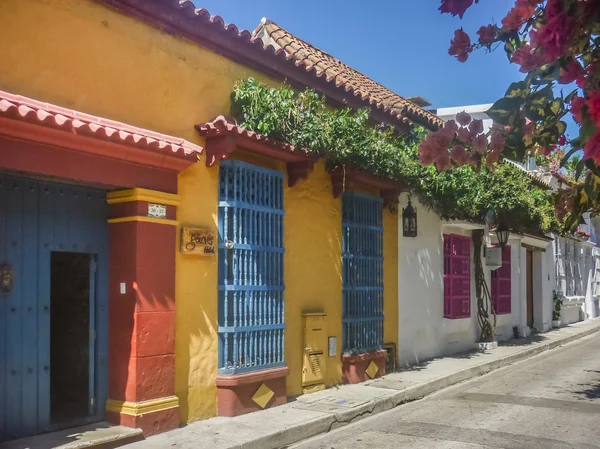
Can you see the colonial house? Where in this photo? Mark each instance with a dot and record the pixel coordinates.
(159, 263)
(443, 319)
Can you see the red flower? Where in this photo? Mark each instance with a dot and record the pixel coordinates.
(592, 149)
(553, 9)
(519, 14)
(593, 104)
(526, 58)
(460, 46)
(456, 7)
(554, 37)
(562, 140)
(571, 72)
(487, 34)
(576, 105)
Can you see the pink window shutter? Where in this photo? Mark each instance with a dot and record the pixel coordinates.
(457, 276)
(501, 284)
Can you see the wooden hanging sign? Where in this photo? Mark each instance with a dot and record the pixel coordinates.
(198, 241)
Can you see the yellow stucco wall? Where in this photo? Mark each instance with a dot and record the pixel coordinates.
(313, 269)
(86, 56)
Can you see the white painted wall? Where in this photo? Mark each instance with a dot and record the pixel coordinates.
(424, 333)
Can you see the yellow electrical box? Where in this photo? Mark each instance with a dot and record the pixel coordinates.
(315, 345)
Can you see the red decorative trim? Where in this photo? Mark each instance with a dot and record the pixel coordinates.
(48, 160)
(234, 380)
(183, 19)
(299, 170)
(223, 135)
(27, 119)
(345, 178)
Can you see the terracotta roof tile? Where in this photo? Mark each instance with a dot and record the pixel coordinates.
(221, 125)
(343, 75)
(26, 109)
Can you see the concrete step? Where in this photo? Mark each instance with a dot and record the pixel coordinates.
(99, 436)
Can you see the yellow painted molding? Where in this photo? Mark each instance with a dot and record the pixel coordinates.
(163, 221)
(152, 196)
(142, 407)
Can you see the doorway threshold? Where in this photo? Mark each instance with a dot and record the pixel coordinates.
(99, 435)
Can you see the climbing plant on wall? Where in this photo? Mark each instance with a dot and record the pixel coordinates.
(347, 137)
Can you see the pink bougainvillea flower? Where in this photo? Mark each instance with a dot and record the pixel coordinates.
(456, 7)
(460, 46)
(443, 138)
(464, 135)
(443, 162)
(555, 37)
(480, 143)
(593, 104)
(576, 108)
(519, 14)
(526, 58)
(497, 142)
(572, 72)
(559, 209)
(487, 34)
(562, 140)
(492, 157)
(476, 126)
(451, 125)
(459, 155)
(553, 9)
(592, 149)
(463, 118)
(548, 150)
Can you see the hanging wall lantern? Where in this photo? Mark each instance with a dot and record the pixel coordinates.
(502, 233)
(409, 221)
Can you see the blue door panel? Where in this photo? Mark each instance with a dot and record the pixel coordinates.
(14, 360)
(37, 218)
(29, 307)
(3, 316)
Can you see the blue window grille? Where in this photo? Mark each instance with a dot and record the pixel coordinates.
(362, 253)
(251, 286)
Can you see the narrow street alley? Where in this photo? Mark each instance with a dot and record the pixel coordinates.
(551, 401)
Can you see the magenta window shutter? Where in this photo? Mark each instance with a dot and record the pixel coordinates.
(457, 276)
(501, 284)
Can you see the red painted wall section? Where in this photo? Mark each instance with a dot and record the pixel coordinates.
(142, 318)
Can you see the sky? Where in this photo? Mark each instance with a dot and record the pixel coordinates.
(402, 44)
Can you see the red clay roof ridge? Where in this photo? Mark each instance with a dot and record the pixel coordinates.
(24, 108)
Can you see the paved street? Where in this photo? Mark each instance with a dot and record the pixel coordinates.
(551, 401)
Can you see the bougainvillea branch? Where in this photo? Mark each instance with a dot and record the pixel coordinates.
(556, 44)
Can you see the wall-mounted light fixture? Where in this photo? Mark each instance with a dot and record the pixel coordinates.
(409, 220)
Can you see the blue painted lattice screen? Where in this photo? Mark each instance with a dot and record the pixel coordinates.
(251, 286)
(362, 253)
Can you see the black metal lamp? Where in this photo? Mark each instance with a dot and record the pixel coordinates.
(502, 233)
(409, 221)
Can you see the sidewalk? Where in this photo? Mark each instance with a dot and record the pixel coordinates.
(320, 412)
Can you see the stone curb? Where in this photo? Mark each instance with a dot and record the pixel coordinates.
(325, 424)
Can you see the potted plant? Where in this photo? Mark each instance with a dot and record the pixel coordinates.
(558, 302)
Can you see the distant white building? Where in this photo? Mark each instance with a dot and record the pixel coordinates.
(437, 301)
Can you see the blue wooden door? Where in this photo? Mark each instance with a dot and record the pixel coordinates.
(251, 306)
(37, 218)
